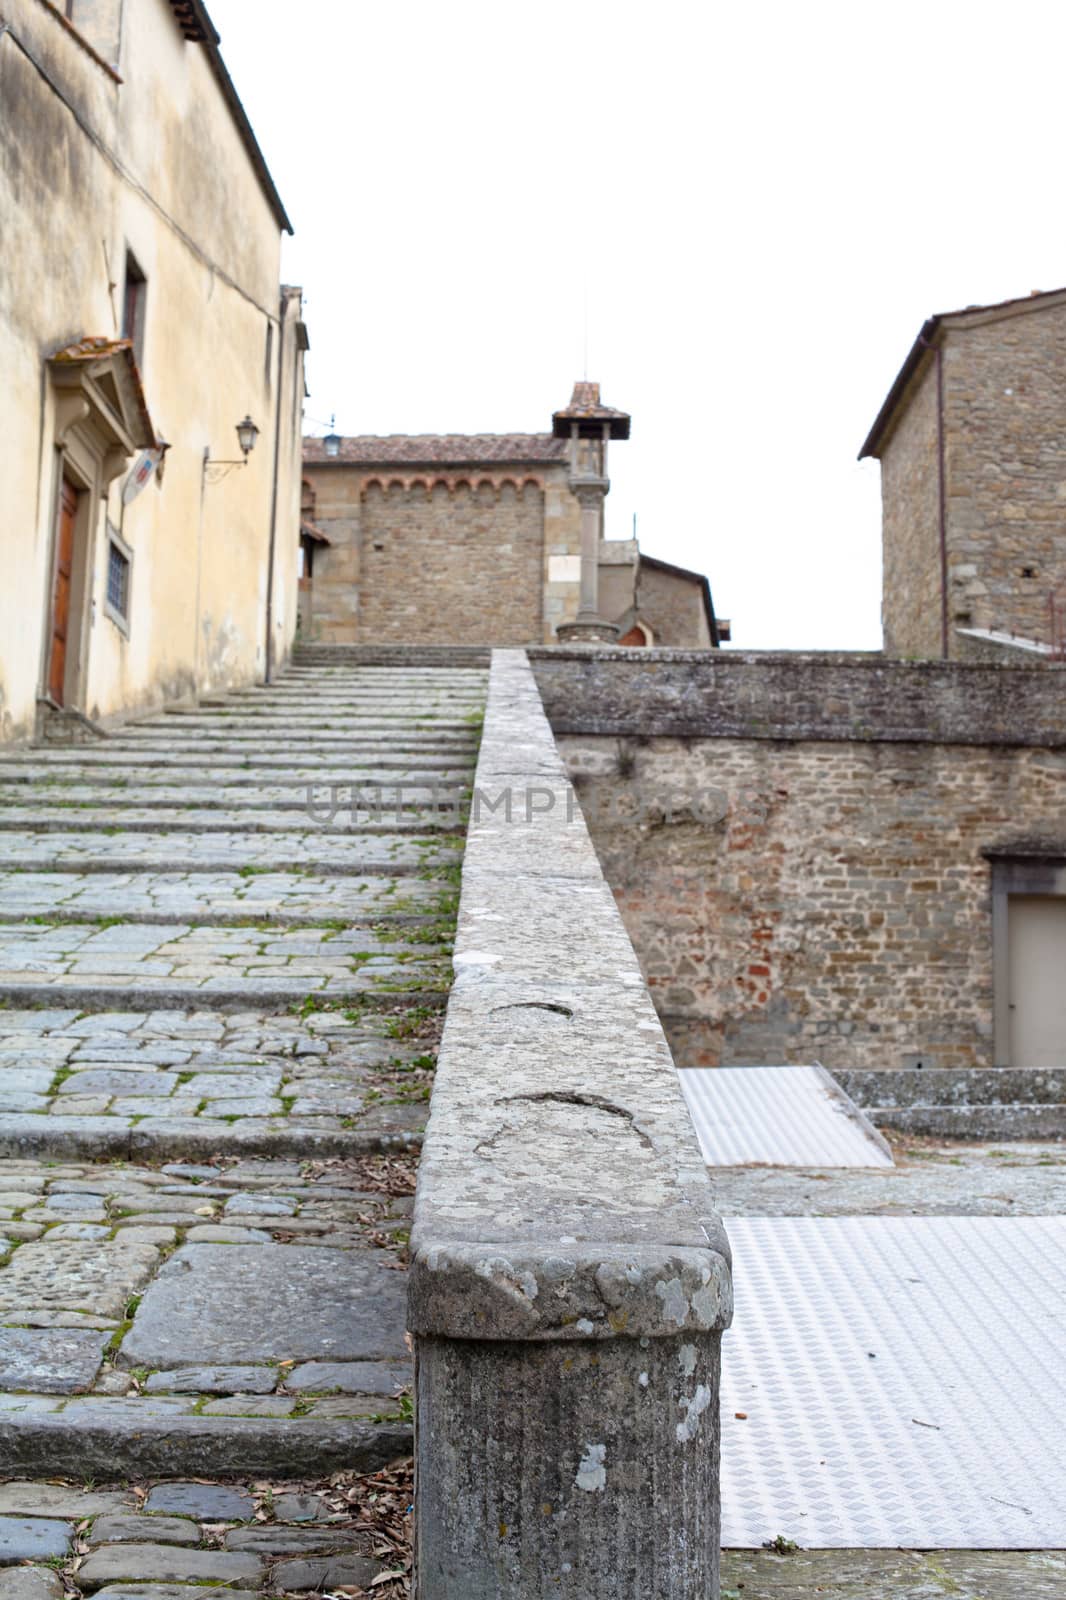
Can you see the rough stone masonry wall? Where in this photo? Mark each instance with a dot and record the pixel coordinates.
(910, 528)
(839, 910)
(1004, 409)
(410, 564)
(820, 893)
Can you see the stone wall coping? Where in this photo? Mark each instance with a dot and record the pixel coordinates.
(712, 694)
(636, 656)
(562, 1193)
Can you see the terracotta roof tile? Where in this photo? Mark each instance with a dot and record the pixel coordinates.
(96, 347)
(438, 449)
(585, 406)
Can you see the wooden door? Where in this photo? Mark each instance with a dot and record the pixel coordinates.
(1037, 957)
(57, 664)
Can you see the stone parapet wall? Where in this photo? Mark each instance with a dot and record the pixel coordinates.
(811, 900)
(794, 697)
(569, 1279)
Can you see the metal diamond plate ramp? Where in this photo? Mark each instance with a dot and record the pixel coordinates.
(902, 1380)
(779, 1117)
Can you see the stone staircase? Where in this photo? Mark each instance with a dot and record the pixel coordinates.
(225, 940)
(963, 1102)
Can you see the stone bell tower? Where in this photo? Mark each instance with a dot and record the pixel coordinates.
(589, 426)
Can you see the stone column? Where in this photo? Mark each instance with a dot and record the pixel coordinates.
(555, 1463)
(589, 626)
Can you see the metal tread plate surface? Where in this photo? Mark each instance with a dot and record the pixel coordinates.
(903, 1383)
(778, 1117)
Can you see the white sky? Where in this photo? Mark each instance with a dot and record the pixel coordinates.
(762, 202)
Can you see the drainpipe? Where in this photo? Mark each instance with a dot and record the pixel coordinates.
(284, 306)
(938, 351)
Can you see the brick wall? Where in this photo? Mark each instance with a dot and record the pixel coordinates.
(821, 901)
(910, 528)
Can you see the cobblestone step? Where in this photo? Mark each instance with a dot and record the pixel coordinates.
(178, 1540)
(184, 851)
(208, 897)
(305, 1076)
(294, 764)
(185, 962)
(236, 1316)
(416, 798)
(321, 814)
(219, 1013)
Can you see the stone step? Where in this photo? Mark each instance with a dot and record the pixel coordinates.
(311, 1081)
(271, 1339)
(323, 738)
(246, 724)
(963, 1102)
(398, 656)
(176, 1541)
(122, 767)
(296, 899)
(181, 851)
(323, 814)
(413, 799)
(296, 697)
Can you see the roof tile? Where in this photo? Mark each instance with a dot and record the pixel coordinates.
(439, 449)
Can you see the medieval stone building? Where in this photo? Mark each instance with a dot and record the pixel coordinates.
(150, 553)
(972, 445)
(472, 538)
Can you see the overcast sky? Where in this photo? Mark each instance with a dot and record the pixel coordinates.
(759, 203)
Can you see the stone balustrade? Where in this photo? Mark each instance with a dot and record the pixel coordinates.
(570, 1280)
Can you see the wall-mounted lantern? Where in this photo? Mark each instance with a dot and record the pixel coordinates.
(247, 434)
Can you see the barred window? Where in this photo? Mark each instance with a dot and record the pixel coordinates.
(118, 583)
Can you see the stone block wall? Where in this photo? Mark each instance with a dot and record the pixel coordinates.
(910, 528)
(417, 557)
(673, 606)
(1004, 481)
(446, 565)
(1005, 433)
(813, 901)
(797, 844)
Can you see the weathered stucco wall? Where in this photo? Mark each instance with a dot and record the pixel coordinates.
(92, 168)
(797, 847)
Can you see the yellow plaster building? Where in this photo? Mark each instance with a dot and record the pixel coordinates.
(148, 554)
